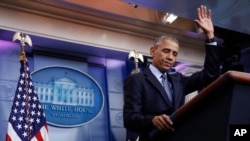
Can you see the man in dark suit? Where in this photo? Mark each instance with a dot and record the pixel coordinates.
(147, 106)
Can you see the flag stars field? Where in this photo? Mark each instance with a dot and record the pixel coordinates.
(26, 106)
(19, 129)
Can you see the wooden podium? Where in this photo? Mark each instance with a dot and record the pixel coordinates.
(208, 116)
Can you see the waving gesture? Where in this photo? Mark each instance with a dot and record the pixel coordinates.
(204, 21)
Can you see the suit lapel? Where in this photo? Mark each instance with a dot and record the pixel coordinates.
(154, 81)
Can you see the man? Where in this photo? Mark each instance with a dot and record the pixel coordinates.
(147, 106)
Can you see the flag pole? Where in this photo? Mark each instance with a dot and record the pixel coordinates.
(27, 119)
(137, 57)
(23, 38)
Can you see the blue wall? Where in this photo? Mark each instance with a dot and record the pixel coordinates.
(107, 72)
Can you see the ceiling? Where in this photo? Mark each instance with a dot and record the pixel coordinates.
(143, 19)
(229, 17)
(229, 14)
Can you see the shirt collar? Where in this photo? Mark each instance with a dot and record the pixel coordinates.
(155, 71)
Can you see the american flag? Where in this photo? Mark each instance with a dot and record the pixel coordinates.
(27, 120)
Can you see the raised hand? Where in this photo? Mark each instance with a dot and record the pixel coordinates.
(204, 21)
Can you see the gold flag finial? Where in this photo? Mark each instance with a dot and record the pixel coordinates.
(23, 38)
(137, 57)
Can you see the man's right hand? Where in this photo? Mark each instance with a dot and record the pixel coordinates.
(163, 123)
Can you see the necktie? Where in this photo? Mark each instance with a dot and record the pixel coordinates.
(166, 85)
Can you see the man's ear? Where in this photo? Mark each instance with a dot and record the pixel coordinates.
(152, 50)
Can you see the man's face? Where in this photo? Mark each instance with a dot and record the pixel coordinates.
(164, 55)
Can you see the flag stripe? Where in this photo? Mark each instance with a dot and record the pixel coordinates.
(8, 138)
(38, 136)
(27, 120)
(42, 135)
(44, 132)
(12, 135)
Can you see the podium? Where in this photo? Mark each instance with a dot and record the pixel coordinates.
(208, 116)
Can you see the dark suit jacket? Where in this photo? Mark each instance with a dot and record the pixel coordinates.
(144, 96)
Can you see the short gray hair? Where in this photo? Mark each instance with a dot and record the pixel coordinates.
(160, 39)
